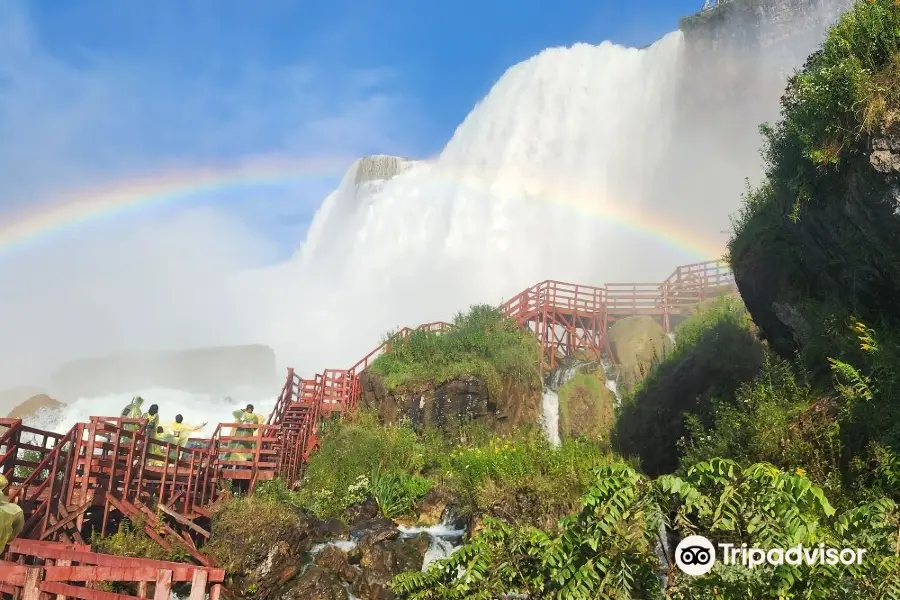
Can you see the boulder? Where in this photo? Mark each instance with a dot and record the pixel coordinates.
(263, 545)
(384, 558)
(362, 511)
(587, 408)
(317, 583)
(637, 342)
(431, 508)
(335, 560)
(463, 399)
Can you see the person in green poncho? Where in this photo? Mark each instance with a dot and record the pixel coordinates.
(12, 519)
(244, 416)
(132, 411)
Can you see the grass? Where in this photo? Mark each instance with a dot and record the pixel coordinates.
(131, 540)
(520, 475)
(482, 342)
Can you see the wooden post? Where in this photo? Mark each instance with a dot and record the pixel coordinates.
(163, 588)
(62, 563)
(198, 585)
(142, 589)
(215, 591)
(33, 578)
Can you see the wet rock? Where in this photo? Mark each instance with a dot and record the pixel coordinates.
(362, 511)
(378, 529)
(261, 544)
(32, 406)
(335, 560)
(279, 568)
(431, 508)
(382, 559)
(885, 149)
(332, 529)
(317, 584)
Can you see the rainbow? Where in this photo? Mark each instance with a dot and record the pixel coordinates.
(169, 187)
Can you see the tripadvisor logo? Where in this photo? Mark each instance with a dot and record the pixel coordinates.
(696, 555)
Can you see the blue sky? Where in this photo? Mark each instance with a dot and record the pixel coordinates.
(93, 90)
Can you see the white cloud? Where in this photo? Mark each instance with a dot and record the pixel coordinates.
(156, 281)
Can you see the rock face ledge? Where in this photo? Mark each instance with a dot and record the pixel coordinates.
(460, 400)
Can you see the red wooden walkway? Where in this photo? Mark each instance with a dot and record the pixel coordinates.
(90, 478)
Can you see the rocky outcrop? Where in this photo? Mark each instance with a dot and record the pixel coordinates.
(273, 551)
(636, 343)
(32, 406)
(843, 252)
(217, 370)
(380, 167)
(460, 400)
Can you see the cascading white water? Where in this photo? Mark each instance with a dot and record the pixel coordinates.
(551, 171)
(445, 538)
(550, 415)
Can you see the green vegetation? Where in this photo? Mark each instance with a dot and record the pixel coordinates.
(482, 342)
(818, 241)
(586, 408)
(813, 410)
(360, 457)
(132, 540)
(606, 550)
(775, 421)
(520, 477)
(246, 528)
(716, 351)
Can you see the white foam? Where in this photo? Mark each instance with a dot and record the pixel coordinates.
(196, 408)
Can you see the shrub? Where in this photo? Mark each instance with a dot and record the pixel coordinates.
(608, 549)
(522, 478)
(357, 450)
(778, 418)
(481, 342)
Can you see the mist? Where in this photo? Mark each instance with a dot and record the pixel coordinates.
(518, 195)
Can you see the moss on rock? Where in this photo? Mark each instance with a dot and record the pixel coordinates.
(637, 343)
(587, 407)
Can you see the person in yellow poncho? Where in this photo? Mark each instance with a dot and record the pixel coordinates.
(162, 438)
(180, 430)
(12, 519)
(152, 416)
(245, 415)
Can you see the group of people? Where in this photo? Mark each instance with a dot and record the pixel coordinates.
(171, 432)
(178, 432)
